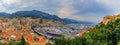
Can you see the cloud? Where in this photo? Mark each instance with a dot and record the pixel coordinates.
(67, 9)
(2, 8)
(113, 5)
(9, 2)
(49, 6)
(85, 10)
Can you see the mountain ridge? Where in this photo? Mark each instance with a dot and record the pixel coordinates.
(40, 14)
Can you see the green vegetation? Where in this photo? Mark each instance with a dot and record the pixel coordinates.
(1, 44)
(14, 43)
(108, 34)
(22, 42)
(0, 31)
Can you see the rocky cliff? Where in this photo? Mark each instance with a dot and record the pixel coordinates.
(107, 19)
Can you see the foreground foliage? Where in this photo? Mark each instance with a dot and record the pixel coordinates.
(108, 34)
(22, 42)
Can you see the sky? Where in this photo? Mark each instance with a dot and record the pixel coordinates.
(83, 10)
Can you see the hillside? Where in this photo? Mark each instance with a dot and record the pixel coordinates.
(2, 14)
(107, 33)
(67, 20)
(107, 19)
(40, 14)
(36, 14)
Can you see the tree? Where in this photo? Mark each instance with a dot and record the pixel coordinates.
(23, 41)
(108, 34)
(0, 31)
